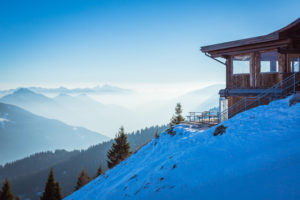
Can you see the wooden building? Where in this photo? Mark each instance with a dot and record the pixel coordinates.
(255, 64)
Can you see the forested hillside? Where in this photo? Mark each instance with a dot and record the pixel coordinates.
(66, 165)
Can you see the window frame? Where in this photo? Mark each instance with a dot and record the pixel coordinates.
(277, 65)
(290, 56)
(250, 60)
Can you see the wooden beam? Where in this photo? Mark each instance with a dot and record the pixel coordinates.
(229, 72)
(252, 70)
(237, 43)
(257, 69)
(284, 51)
(282, 65)
(245, 92)
(251, 48)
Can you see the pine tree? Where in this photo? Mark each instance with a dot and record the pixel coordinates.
(156, 134)
(119, 151)
(52, 189)
(58, 191)
(6, 193)
(83, 179)
(99, 171)
(176, 119)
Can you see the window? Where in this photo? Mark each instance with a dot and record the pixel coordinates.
(269, 62)
(223, 104)
(241, 64)
(294, 63)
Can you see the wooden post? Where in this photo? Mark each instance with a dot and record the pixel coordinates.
(257, 70)
(252, 70)
(229, 71)
(282, 65)
(288, 63)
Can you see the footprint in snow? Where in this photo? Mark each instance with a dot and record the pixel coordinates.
(134, 176)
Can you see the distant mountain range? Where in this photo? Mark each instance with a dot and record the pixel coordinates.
(79, 110)
(82, 110)
(105, 89)
(23, 133)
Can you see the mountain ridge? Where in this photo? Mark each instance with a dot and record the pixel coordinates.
(104, 89)
(33, 133)
(78, 110)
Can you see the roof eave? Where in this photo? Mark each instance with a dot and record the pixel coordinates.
(243, 42)
(274, 36)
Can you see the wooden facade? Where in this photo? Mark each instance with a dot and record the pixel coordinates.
(267, 60)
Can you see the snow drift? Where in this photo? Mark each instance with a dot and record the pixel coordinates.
(257, 158)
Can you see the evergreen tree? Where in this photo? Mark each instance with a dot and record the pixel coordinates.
(119, 151)
(176, 119)
(99, 171)
(156, 134)
(6, 193)
(83, 179)
(52, 189)
(58, 191)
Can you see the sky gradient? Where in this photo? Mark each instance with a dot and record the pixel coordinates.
(84, 43)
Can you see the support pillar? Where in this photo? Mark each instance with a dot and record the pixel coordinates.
(252, 70)
(282, 67)
(257, 70)
(229, 71)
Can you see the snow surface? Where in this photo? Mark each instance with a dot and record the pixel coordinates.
(2, 122)
(257, 158)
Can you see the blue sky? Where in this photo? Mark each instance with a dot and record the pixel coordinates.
(79, 42)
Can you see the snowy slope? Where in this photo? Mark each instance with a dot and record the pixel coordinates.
(257, 158)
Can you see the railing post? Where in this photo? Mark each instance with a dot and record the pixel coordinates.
(294, 82)
(245, 103)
